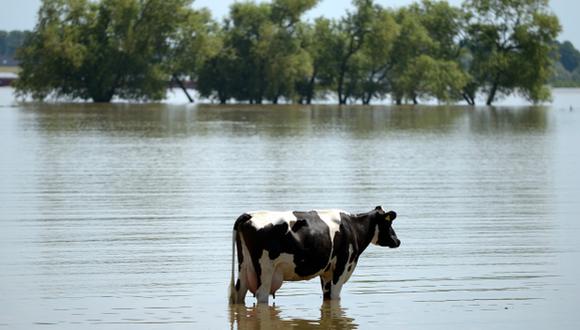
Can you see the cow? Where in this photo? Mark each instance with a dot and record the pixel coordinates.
(273, 247)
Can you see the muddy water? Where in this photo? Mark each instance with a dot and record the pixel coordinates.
(119, 216)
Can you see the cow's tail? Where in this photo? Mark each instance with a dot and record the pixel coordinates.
(233, 292)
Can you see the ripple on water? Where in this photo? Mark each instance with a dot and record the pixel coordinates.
(116, 216)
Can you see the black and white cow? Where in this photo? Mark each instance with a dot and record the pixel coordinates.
(273, 247)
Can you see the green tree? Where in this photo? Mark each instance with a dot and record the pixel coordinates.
(429, 77)
(426, 56)
(196, 41)
(320, 40)
(261, 54)
(247, 26)
(217, 75)
(98, 50)
(510, 43)
(375, 60)
(288, 62)
(350, 35)
(569, 56)
(413, 41)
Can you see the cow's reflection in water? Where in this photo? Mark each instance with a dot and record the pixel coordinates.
(261, 316)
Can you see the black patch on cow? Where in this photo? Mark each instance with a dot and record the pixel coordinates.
(299, 224)
(349, 268)
(387, 235)
(238, 284)
(241, 220)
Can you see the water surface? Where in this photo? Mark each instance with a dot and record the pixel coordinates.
(116, 216)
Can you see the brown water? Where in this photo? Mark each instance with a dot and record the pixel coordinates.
(120, 216)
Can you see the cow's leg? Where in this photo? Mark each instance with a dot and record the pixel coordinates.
(335, 289)
(266, 273)
(326, 283)
(263, 292)
(241, 285)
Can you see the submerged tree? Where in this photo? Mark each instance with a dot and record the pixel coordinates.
(99, 50)
(265, 51)
(510, 43)
(261, 56)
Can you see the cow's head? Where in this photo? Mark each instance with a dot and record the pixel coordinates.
(384, 233)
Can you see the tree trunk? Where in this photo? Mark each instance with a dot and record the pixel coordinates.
(341, 97)
(101, 99)
(491, 96)
(366, 100)
(182, 86)
(468, 98)
(310, 93)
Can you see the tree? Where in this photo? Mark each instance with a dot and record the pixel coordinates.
(98, 50)
(426, 76)
(196, 41)
(413, 41)
(510, 43)
(351, 33)
(426, 55)
(375, 60)
(288, 62)
(217, 75)
(261, 54)
(569, 56)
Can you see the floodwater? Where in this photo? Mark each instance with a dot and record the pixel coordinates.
(120, 216)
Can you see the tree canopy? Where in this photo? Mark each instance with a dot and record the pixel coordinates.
(98, 50)
(268, 51)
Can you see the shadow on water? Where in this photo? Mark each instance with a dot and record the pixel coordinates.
(332, 316)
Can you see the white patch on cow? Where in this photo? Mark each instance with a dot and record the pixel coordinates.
(260, 219)
(332, 220)
(375, 239)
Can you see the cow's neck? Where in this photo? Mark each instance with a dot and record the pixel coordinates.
(365, 230)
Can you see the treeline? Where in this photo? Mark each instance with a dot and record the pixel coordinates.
(267, 52)
(567, 66)
(10, 41)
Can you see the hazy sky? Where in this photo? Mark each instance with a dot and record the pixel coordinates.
(21, 14)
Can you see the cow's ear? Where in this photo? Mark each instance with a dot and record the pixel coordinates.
(380, 209)
(390, 216)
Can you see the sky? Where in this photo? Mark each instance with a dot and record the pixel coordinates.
(21, 14)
